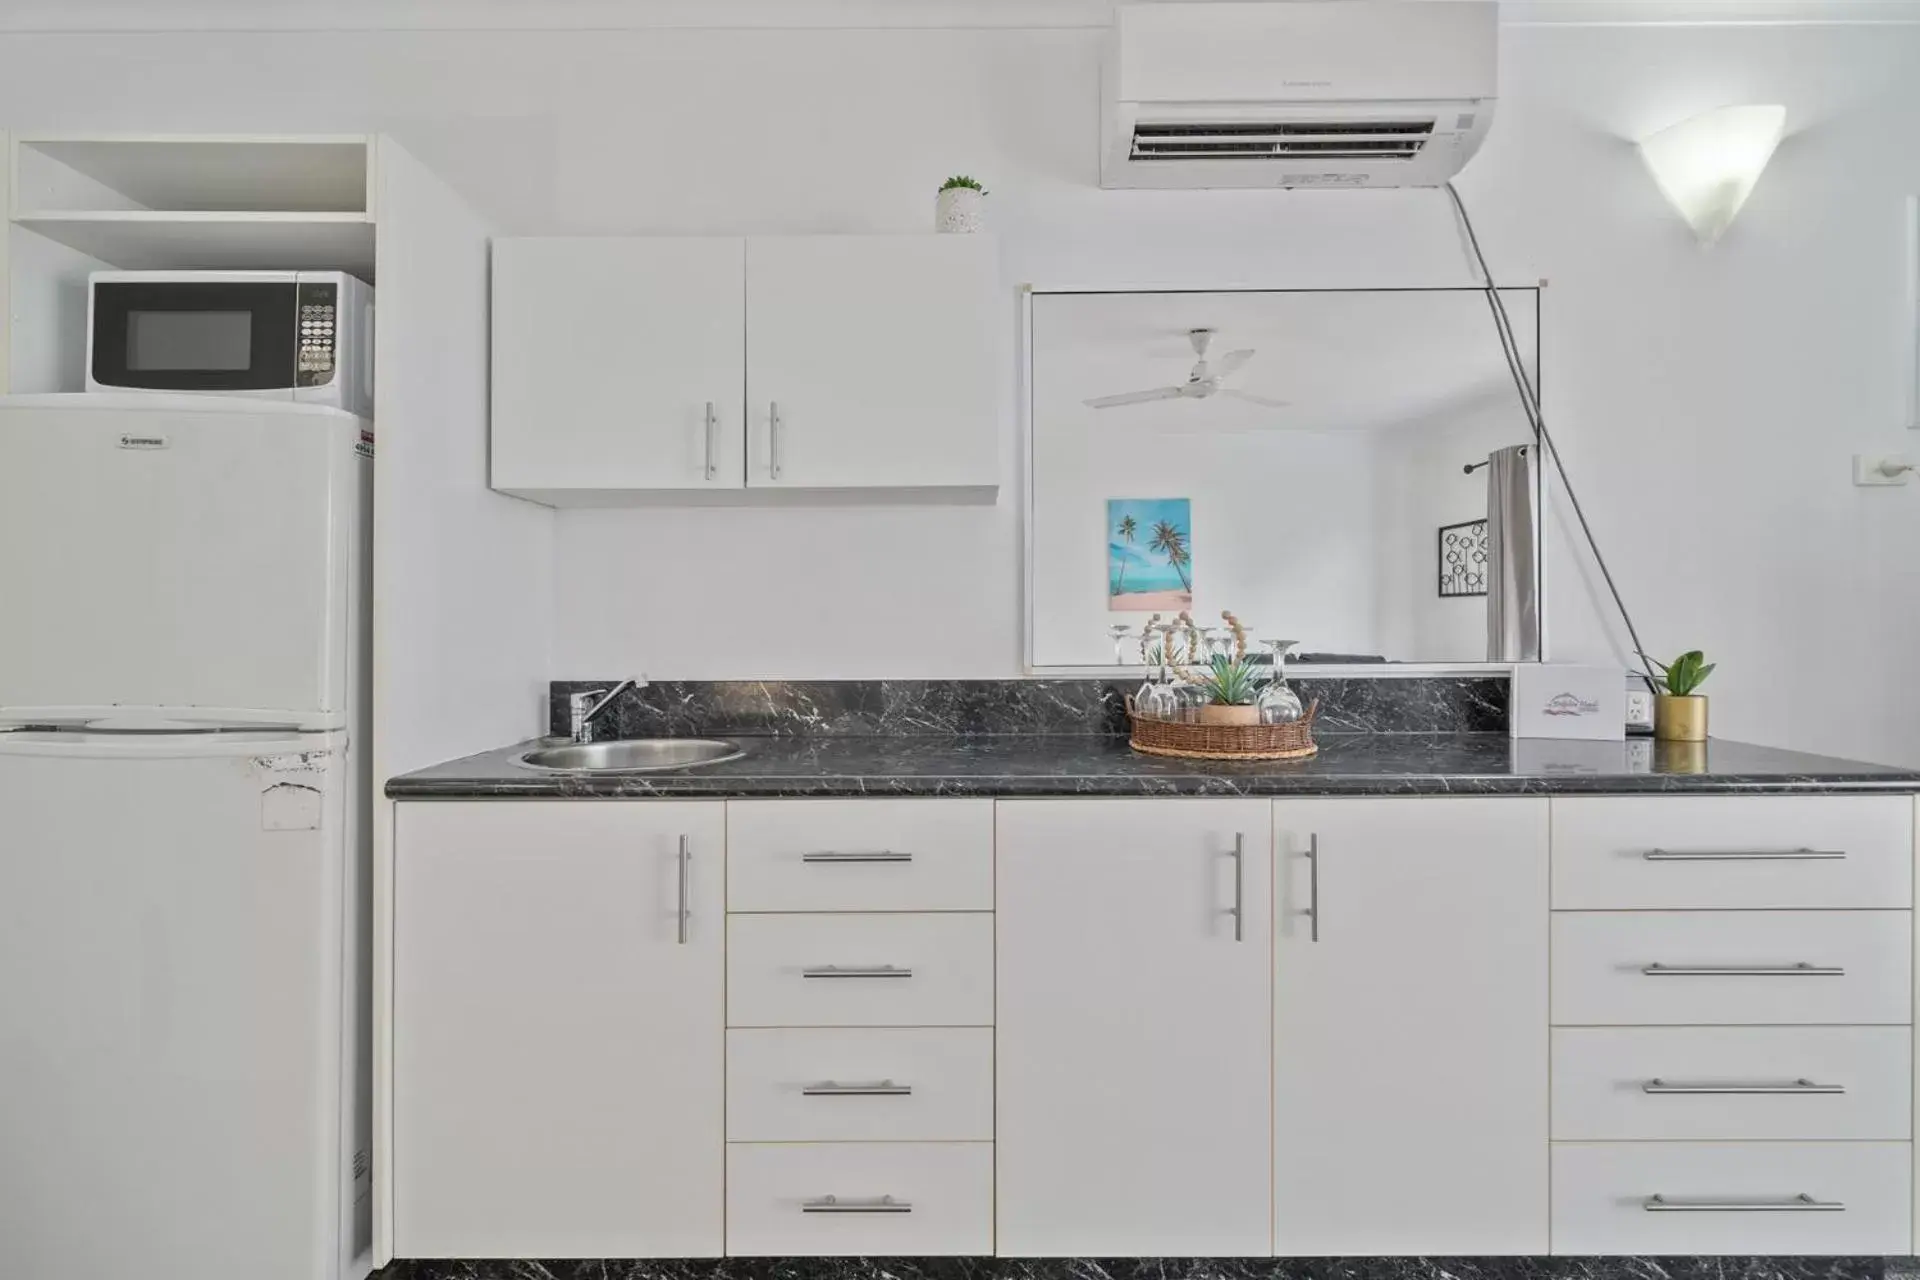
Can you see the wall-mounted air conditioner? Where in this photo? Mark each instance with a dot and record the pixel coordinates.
(1297, 93)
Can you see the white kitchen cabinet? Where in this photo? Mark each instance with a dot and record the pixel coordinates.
(629, 366)
(558, 1081)
(1410, 1027)
(1133, 1047)
(871, 362)
(617, 365)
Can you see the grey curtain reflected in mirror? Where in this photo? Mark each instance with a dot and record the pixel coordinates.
(1513, 604)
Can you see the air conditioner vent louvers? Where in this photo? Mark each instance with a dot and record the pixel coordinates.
(1302, 128)
(1318, 140)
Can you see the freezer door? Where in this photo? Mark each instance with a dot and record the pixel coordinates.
(173, 557)
(170, 1010)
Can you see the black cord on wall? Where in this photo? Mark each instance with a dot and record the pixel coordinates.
(1530, 402)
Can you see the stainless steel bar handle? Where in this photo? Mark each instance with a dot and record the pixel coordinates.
(877, 855)
(1792, 1204)
(1239, 887)
(1657, 1085)
(1743, 855)
(1312, 912)
(712, 470)
(878, 1089)
(871, 971)
(834, 1204)
(773, 439)
(686, 856)
(1801, 970)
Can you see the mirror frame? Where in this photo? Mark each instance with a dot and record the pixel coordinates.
(1328, 670)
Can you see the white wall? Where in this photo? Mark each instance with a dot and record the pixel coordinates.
(1707, 401)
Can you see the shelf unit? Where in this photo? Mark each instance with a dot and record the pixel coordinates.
(140, 202)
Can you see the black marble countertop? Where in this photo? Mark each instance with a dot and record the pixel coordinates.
(1078, 765)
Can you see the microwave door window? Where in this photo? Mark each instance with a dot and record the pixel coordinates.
(216, 341)
(194, 335)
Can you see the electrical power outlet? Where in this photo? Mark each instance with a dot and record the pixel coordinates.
(1639, 710)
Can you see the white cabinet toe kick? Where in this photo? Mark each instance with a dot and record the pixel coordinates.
(1153, 1027)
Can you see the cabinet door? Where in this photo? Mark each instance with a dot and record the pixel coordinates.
(617, 364)
(1133, 1047)
(871, 362)
(1410, 1027)
(558, 1083)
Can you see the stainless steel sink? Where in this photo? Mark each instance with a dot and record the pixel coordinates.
(633, 755)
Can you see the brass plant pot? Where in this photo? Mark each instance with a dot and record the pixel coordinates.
(1680, 719)
(1221, 713)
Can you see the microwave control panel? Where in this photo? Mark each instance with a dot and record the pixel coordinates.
(319, 306)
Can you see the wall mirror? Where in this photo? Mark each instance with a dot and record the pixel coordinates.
(1348, 469)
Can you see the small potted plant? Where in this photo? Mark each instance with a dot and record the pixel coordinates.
(1232, 686)
(1680, 714)
(957, 208)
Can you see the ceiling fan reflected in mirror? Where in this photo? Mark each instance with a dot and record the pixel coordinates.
(1203, 381)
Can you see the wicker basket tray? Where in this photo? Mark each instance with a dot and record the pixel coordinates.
(1224, 742)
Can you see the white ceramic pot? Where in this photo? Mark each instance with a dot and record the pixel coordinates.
(957, 211)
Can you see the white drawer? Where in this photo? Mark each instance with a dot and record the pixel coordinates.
(828, 1199)
(860, 970)
(889, 1084)
(1721, 1083)
(1601, 1194)
(1678, 852)
(1735, 967)
(860, 855)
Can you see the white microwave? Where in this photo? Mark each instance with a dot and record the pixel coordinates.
(281, 335)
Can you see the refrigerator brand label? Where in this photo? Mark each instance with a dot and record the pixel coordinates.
(364, 446)
(143, 442)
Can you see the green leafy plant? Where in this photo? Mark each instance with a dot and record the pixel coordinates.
(1685, 673)
(962, 180)
(1234, 682)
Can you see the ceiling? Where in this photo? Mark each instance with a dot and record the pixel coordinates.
(1344, 360)
(305, 15)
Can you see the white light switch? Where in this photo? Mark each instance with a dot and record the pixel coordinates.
(1877, 469)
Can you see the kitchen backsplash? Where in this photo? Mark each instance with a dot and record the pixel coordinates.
(1419, 704)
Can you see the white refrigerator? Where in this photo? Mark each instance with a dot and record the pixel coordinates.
(184, 839)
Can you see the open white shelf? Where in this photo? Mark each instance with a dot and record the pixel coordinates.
(237, 173)
(213, 240)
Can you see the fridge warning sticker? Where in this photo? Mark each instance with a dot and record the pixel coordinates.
(292, 790)
(364, 446)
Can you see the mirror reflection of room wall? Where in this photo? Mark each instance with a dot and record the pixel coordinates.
(1298, 457)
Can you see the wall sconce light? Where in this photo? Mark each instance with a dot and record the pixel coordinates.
(1706, 166)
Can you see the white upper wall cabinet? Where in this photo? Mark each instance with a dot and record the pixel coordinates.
(870, 362)
(617, 364)
(631, 367)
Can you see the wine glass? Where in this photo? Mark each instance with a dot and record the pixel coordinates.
(1121, 634)
(1278, 703)
(1154, 699)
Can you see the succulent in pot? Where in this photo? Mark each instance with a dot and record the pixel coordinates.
(1232, 686)
(1679, 713)
(957, 208)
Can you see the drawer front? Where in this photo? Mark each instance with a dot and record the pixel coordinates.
(1601, 1195)
(1732, 1083)
(860, 970)
(828, 1199)
(1681, 852)
(860, 855)
(906, 1084)
(1732, 967)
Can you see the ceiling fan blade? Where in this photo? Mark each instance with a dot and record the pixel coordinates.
(1232, 362)
(1136, 397)
(1251, 398)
